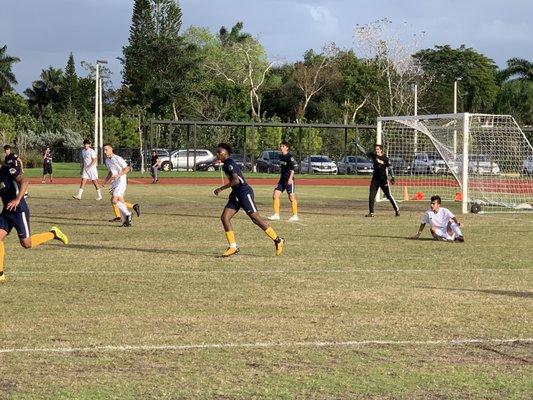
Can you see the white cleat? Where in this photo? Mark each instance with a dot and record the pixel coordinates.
(274, 217)
(98, 198)
(76, 197)
(294, 218)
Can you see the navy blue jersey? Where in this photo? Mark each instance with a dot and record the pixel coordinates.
(381, 163)
(9, 187)
(12, 160)
(230, 167)
(286, 164)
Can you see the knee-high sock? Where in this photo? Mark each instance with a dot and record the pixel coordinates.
(271, 233)
(129, 205)
(123, 209)
(40, 238)
(2, 251)
(277, 205)
(116, 211)
(456, 229)
(230, 237)
(294, 207)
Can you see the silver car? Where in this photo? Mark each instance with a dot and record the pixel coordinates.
(318, 164)
(184, 159)
(355, 165)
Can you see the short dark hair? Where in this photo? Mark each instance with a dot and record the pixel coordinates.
(284, 143)
(378, 145)
(226, 147)
(436, 198)
(107, 144)
(7, 147)
(86, 141)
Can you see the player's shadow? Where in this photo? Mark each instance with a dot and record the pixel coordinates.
(509, 293)
(55, 217)
(182, 215)
(392, 237)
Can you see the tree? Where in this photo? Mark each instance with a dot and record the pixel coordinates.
(443, 65)
(13, 104)
(69, 85)
(7, 78)
(518, 67)
(45, 91)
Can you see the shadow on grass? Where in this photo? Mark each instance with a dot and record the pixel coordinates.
(510, 293)
(426, 239)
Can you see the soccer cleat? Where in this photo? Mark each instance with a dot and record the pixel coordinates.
(280, 242)
(116, 219)
(127, 223)
(274, 217)
(137, 209)
(99, 198)
(59, 235)
(460, 239)
(369, 215)
(76, 197)
(230, 251)
(397, 213)
(2, 278)
(294, 218)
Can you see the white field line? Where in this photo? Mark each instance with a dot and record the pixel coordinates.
(263, 271)
(204, 346)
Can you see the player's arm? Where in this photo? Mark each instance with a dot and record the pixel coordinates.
(124, 171)
(108, 178)
(21, 165)
(233, 182)
(420, 229)
(23, 185)
(457, 222)
(93, 162)
(390, 172)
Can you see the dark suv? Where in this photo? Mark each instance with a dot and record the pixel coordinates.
(268, 161)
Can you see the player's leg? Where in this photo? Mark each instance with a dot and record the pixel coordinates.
(97, 188)
(454, 231)
(80, 190)
(21, 222)
(439, 233)
(373, 191)
(294, 203)
(276, 203)
(3, 235)
(384, 185)
(118, 200)
(135, 207)
(227, 214)
(116, 211)
(248, 204)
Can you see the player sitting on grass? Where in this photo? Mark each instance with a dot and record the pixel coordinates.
(286, 182)
(241, 196)
(442, 222)
(16, 214)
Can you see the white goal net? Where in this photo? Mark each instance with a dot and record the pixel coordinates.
(483, 161)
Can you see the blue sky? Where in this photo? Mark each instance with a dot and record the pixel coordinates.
(43, 32)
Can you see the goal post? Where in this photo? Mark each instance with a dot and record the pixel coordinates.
(476, 159)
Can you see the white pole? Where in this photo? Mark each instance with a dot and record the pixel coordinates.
(96, 113)
(466, 134)
(378, 133)
(455, 112)
(100, 121)
(415, 139)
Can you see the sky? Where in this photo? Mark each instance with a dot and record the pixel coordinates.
(42, 33)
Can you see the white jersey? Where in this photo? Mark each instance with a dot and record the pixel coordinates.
(439, 219)
(116, 164)
(88, 155)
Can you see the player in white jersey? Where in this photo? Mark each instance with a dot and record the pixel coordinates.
(443, 224)
(118, 168)
(89, 171)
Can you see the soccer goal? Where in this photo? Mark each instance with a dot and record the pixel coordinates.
(476, 159)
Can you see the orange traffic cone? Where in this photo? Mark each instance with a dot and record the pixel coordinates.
(458, 197)
(419, 196)
(405, 194)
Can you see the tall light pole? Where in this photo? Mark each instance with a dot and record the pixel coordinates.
(98, 119)
(455, 112)
(415, 138)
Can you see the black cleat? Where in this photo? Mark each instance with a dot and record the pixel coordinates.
(369, 215)
(398, 213)
(116, 219)
(137, 209)
(127, 223)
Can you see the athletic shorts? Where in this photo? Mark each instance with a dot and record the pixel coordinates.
(91, 174)
(443, 233)
(119, 188)
(244, 200)
(285, 186)
(47, 169)
(18, 220)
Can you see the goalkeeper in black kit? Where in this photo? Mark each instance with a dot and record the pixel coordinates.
(380, 179)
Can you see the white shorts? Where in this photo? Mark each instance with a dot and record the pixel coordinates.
(119, 188)
(91, 174)
(443, 234)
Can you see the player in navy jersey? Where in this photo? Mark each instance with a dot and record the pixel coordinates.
(16, 214)
(286, 182)
(241, 196)
(380, 180)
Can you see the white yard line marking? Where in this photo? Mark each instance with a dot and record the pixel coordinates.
(264, 271)
(351, 343)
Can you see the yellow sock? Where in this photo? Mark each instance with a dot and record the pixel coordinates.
(2, 250)
(294, 206)
(116, 211)
(277, 206)
(40, 238)
(230, 236)
(271, 233)
(129, 205)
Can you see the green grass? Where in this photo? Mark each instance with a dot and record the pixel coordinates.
(342, 277)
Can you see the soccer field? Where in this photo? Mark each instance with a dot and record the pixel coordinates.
(352, 309)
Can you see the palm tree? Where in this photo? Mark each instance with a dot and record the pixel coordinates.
(45, 91)
(518, 66)
(7, 78)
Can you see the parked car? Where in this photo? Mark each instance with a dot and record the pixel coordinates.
(428, 163)
(399, 165)
(268, 161)
(478, 164)
(355, 165)
(184, 159)
(318, 164)
(214, 164)
(527, 168)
